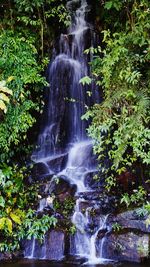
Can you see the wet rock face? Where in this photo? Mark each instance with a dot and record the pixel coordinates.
(131, 241)
(40, 171)
(132, 220)
(44, 169)
(58, 164)
(99, 202)
(63, 188)
(55, 245)
(73, 5)
(127, 247)
(51, 249)
(91, 181)
(5, 256)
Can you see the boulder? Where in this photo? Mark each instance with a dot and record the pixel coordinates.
(51, 249)
(131, 242)
(5, 256)
(55, 245)
(58, 163)
(130, 220)
(41, 171)
(63, 188)
(127, 247)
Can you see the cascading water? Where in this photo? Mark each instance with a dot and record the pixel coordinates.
(67, 97)
(66, 104)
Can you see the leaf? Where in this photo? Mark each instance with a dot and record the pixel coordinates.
(108, 5)
(89, 93)
(147, 222)
(85, 80)
(2, 83)
(3, 106)
(15, 218)
(10, 78)
(8, 222)
(2, 202)
(8, 210)
(2, 223)
(4, 97)
(6, 90)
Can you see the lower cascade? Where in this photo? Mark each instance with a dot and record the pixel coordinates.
(74, 163)
(88, 241)
(85, 244)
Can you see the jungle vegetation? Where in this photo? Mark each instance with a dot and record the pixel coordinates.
(120, 124)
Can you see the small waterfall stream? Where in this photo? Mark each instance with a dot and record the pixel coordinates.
(85, 243)
(66, 104)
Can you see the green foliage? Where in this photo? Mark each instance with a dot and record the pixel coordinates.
(18, 219)
(116, 4)
(147, 207)
(35, 18)
(138, 197)
(18, 60)
(120, 124)
(4, 96)
(65, 208)
(86, 80)
(26, 33)
(116, 227)
(141, 213)
(72, 230)
(34, 227)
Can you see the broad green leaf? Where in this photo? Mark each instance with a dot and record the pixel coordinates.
(85, 80)
(2, 202)
(8, 222)
(3, 106)
(10, 78)
(15, 218)
(2, 83)
(6, 90)
(108, 5)
(2, 223)
(4, 97)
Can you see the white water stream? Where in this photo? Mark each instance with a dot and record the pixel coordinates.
(66, 70)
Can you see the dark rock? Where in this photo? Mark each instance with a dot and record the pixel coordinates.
(63, 188)
(92, 195)
(129, 220)
(51, 249)
(100, 203)
(46, 211)
(102, 233)
(57, 163)
(41, 171)
(127, 247)
(5, 256)
(45, 170)
(73, 5)
(17, 255)
(75, 260)
(45, 186)
(91, 181)
(55, 245)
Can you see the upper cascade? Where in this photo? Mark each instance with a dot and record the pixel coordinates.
(67, 97)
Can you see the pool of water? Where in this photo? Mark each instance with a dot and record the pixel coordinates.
(34, 263)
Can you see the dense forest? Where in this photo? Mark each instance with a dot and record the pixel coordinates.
(120, 124)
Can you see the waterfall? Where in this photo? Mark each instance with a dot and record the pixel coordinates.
(67, 101)
(85, 243)
(31, 252)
